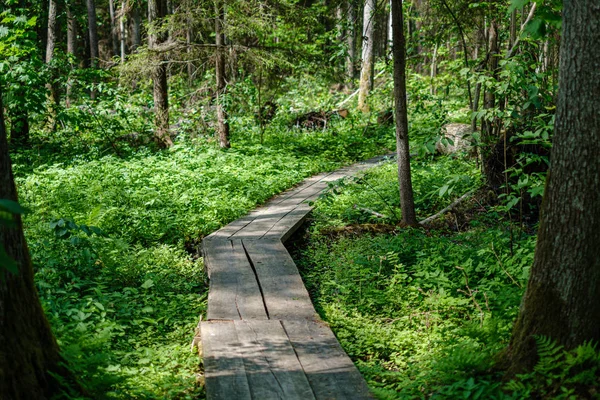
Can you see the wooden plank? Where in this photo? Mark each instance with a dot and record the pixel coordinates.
(234, 292)
(285, 227)
(272, 368)
(284, 294)
(225, 374)
(331, 373)
(275, 212)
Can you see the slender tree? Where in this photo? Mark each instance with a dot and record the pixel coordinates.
(350, 42)
(367, 54)
(561, 300)
(222, 124)
(50, 46)
(30, 364)
(157, 10)
(407, 203)
(93, 37)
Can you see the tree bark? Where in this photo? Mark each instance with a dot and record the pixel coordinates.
(93, 34)
(52, 86)
(561, 300)
(113, 28)
(222, 123)
(71, 47)
(29, 355)
(136, 31)
(123, 32)
(407, 203)
(367, 54)
(157, 9)
(350, 42)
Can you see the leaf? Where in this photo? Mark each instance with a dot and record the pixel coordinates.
(443, 190)
(12, 207)
(517, 4)
(148, 284)
(147, 309)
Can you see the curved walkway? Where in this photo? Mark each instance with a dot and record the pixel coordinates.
(263, 338)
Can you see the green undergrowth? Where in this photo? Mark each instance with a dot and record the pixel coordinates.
(423, 312)
(114, 241)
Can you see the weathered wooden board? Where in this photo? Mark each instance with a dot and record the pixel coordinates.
(272, 368)
(273, 213)
(331, 373)
(234, 292)
(225, 374)
(284, 294)
(285, 227)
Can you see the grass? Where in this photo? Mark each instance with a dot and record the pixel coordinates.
(114, 243)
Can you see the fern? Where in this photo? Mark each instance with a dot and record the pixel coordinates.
(550, 353)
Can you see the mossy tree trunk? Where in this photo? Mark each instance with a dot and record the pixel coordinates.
(29, 357)
(407, 203)
(561, 300)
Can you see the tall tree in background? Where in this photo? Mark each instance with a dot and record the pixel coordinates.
(157, 10)
(30, 364)
(367, 54)
(50, 46)
(93, 34)
(350, 42)
(222, 124)
(407, 203)
(561, 300)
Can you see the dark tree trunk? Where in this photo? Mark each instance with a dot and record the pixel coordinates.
(157, 9)
(407, 203)
(136, 28)
(367, 54)
(222, 124)
(28, 351)
(113, 28)
(561, 300)
(350, 35)
(492, 166)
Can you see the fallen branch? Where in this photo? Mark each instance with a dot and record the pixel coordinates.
(357, 90)
(449, 208)
(373, 212)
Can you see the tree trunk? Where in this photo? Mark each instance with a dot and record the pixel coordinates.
(93, 33)
(390, 34)
(136, 28)
(123, 32)
(71, 48)
(51, 37)
(157, 9)
(30, 364)
(489, 132)
(561, 300)
(113, 28)
(52, 86)
(367, 54)
(351, 56)
(407, 203)
(222, 123)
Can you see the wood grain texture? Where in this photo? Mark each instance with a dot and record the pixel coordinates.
(331, 373)
(272, 368)
(234, 292)
(225, 374)
(284, 294)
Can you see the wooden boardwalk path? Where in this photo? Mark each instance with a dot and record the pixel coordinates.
(263, 338)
